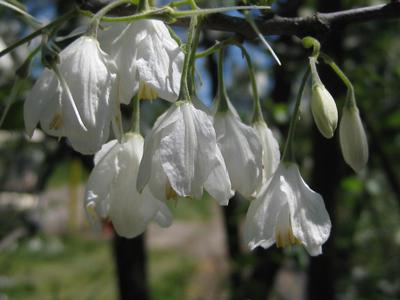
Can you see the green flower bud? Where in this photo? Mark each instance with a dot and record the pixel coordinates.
(353, 139)
(324, 110)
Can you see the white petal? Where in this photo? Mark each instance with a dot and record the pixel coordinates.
(159, 59)
(105, 149)
(271, 154)
(6, 61)
(262, 215)
(163, 216)
(87, 73)
(242, 152)
(310, 220)
(353, 140)
(152, 142)
(100, 180)
(45, 93)
(188, 152)
(218, 184)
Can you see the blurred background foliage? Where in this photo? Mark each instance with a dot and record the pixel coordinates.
(47, 250)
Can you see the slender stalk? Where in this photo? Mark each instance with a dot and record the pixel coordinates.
(218, 45)
(40, 31)
(94, 23)
(257, 111)
(178, 3)
(313, 67)
(184, 93)
(192, 59)
(222, 96)
(207, 11)
(193, 4)
(135, 121)
(292, 125)
(350, 89)
(143, 5)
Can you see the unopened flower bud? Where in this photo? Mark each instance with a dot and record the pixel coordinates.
(324, 110)
(353, 139)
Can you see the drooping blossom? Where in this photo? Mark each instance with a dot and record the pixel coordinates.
(148, 59)
(241, 150)
(181, 157)
(78, 103)
(287, 212)
(111, 189)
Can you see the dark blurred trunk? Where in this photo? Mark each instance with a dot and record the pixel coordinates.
(130, 259)
(231, 221)
(326, 175)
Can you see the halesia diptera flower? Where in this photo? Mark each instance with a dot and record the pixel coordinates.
(80, 102)
(111, 190)
(353, 139)
(148, 59)
(287, 212)
(270, 149)
(324, 110)
(181, 157)
(241, 150)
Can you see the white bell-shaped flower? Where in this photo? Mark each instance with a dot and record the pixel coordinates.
(353, 139)
(241, 150)
(83, 105)
(286, 212)
(148, 59)
(270, 149)
(181, 157)
(111, 190)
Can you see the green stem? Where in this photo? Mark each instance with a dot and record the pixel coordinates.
(314, 73)
(207, 11)
(292, 125)
(40, 31)
(257, 111)
(135, 114)
(94, 23)
(310, 42)
(192, 59)
(350, 89)
(218, 45)
(222, 96)
(184, 93)
(143, 5)
(164, 13)
(178, 3)
(193, 4)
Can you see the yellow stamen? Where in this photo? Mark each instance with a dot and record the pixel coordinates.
(284, 239)
(146, 92)
(170, 192)
(57, 122)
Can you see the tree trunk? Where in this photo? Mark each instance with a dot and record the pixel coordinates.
(130, 259)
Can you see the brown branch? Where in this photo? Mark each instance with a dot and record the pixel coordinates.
(316, 25)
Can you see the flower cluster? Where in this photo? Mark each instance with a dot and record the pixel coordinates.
(188, 150)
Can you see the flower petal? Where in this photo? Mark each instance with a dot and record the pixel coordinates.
(271, 154)
(262, 215)
(310, 220)
(242, 152)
